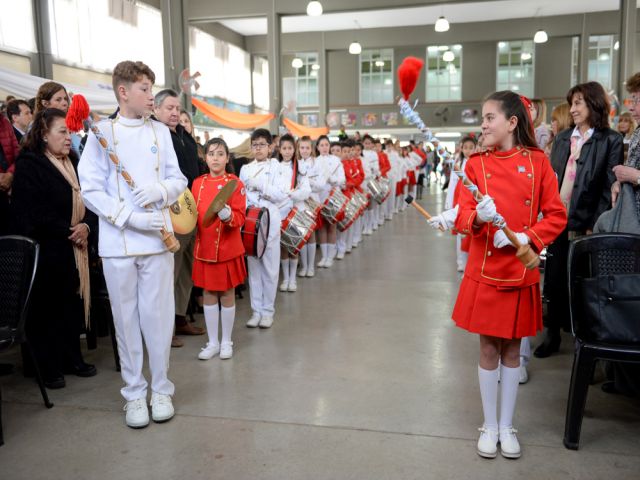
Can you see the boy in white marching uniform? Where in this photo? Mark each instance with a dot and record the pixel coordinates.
(138, 267)
(371, 171)
(265, 188)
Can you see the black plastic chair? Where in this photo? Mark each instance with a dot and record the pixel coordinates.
(591, 257)
(18, 265)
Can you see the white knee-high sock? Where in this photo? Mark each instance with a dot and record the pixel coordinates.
(228, 316)
(285, 270)
(211, 318)
(311, 255)
(509, 380)
(293, 266)
(332, 250)
(303, 257)
(323, 250)
(489, 394)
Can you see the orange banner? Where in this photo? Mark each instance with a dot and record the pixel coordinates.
(300, 130)
(237, 120)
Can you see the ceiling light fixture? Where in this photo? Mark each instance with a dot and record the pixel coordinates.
(442, 25)
(540, 36)
(448, 56)
(315, 66)
(297, 63)
(314, 9)
(355, 48)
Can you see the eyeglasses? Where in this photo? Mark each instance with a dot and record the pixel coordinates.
(634, 100)
(256, 146)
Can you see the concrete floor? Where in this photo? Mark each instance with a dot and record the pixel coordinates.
(363, 376)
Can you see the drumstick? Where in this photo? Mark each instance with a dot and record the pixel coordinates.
(525, 253)
(168, 238)
(409, 199)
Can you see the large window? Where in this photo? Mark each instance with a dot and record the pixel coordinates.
(260, 82)
(100, 33)
(575, 60)
(601, 51)
(444, 73)
(307, 80)
(225, 69)
(515, 67)
(376, 76)
(16, 26)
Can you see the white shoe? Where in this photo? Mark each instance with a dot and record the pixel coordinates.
(348, 250)
(137, 413)
(226, 351)
(254, 321)
(284, 286)
(340, 255)
(302, 272)
(209, 351)
(293, 287)
(310, 273)
(509, 445)
(161, 407)
(488, 442)
(322, 263)
(524, 375)
(328, 263)
(355, 245)
(266, 321)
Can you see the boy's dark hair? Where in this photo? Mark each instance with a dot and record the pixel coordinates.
(377, 141)
(335, 144)
(511, 105)
(367, 137)
(261, 133)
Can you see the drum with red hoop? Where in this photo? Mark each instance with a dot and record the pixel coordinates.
(296, 230)
(351, 213)
(334, 206)
(255, 231)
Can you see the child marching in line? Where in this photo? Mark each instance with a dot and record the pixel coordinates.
(316, 178)
(344, 241)
(385, 168)
(218, 252)
(359, 224)
(499, 299)
(334, 174)
(295, 181)
(372, 171)
(264, 189)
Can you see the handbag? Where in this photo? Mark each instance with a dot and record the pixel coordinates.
(623, 217)
(611, 309)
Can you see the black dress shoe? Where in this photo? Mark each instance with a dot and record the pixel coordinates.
(610, 387)
(54, 381)
(81, 370)
(550, 345)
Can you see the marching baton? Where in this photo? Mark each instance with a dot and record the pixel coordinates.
(410, 200)
(525, 253)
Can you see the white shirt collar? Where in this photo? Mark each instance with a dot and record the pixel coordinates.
(576, 132)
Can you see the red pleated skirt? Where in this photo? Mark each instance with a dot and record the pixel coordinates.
(320, 221)
(400, 187)
(412, 177)
(498, 312)
(219, 276)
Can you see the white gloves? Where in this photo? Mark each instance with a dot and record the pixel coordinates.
(225, 213)
(252, 183)
(486, 209)
(146, 221)
(500, 240)
(148, 194)
(444, 221)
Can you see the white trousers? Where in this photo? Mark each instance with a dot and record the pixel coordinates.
(525, 351)
(461, 257)
(341, 241)
(263, 278)
(141, 295)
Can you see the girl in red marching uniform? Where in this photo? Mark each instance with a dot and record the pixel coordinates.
(218, 265)
(499, 299)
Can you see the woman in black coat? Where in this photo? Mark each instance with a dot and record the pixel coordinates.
(583, 158)
(44, 205)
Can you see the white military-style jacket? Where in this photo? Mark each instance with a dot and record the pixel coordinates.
(145, 151)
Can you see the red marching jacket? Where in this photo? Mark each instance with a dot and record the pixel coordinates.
(220, 241)
(358, 177)
(523, 184)
(385, 164)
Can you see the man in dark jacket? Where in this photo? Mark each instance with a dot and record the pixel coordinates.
(167, 110)
(20, 115)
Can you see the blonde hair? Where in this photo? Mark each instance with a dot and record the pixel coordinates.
(541, 111)
(561, 115)
(632, 123)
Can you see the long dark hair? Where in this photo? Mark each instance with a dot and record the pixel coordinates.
(320, 138)
(597, 102)
(33, 141)
(511, 105)
(215, 142)
(294, 160)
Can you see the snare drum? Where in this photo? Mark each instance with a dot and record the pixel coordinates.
(378, 189)
(312, 208)
(296, 230)
(351, 213)
(255, 231)
(334, 206)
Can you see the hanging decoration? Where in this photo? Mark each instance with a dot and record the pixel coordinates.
(228, 118)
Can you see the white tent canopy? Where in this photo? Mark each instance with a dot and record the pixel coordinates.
(23, 85)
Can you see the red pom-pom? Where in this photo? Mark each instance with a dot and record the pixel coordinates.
(408, 74)
(78, 112)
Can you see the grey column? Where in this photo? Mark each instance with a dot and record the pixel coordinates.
(175, 34)
(275, 68)
(626, 52)
(42, 62)
(583, 57)
(323, 83)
